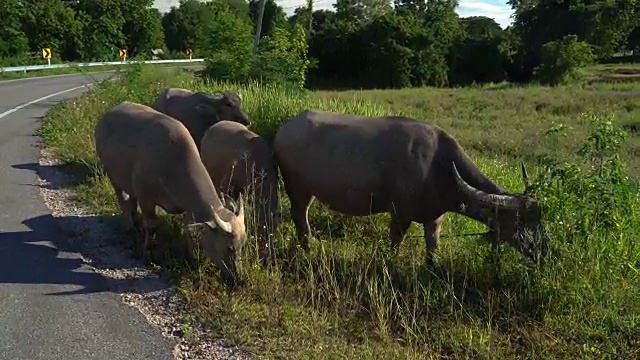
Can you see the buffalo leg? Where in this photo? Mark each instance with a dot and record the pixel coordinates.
(300, 203)
(300, 216)
(431, 236)
(397, 228)
(150, 223)
(129, 206)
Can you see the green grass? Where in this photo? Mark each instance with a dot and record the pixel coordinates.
(349, 298)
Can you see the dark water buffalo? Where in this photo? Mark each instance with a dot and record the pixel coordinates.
(198, 110)
(412, 170)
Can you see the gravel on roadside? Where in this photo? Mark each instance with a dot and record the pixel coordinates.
(102, 248)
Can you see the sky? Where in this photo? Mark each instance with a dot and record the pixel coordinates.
(495, 9)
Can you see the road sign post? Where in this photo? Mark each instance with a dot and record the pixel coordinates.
(46, 54)
(190, 53)
(123, 54)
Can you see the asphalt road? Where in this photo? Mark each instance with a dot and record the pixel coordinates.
(38, 265)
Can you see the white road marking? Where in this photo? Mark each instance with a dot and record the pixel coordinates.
(19, 107)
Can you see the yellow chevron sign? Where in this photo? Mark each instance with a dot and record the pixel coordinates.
(122, 53)
(46, 53)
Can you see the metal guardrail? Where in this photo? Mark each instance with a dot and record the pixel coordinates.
(68, 65)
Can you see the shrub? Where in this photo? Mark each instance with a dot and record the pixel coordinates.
(561, 59)
(228, 45)
(282, 56)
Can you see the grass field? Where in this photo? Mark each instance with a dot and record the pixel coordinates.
(350, 298)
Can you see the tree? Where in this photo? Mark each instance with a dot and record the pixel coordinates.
(102, 33)
(604, 24)
(142, 28)
(633, 40)
(48, 23)
(361, 10)
(561, 59)
(410, 7)
(186, 25)
(283, 56)
(13, 41)
(477, 27)
(228, 44)
(481, 55)
(274, 16)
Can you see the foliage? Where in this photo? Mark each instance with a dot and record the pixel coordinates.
(603, 24)
(414, 43)
(186, 25)
(274, 17)
(561, 59)
(228, 45)
(13, 40)
(282, 56)
(480, 55)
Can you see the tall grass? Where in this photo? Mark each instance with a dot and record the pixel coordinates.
(350, 297)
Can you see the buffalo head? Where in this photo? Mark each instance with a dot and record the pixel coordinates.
(225, 106)
(514, 218)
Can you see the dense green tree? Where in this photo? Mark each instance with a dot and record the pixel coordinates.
(604, 24)
(361, 43)
(482, 54)
(361, 10)
(410, 7)
(283, 56)
(102, 34)
(49, 23)
(142, 27)
(633, 40)
(274, 16)
(561, 59)
(186, 25)
(13, 41)
(480, 27)
(228, 44)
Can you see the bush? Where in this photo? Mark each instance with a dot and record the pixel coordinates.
(282, 56)
(561, 59)
(228, 45)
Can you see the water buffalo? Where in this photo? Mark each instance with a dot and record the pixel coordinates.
(198, 111)
(239, 160)
(151, 159)
(412, 170)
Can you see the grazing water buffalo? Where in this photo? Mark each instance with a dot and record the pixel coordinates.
(238, 160)
(151, 158)
(198, 111)
(412, 170)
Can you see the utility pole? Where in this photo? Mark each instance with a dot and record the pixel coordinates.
(310, 6)
(256, 41)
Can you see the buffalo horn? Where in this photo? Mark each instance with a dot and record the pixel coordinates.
(502, 201)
